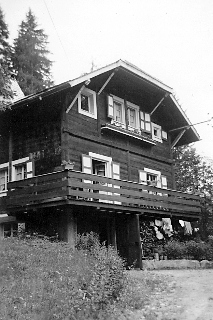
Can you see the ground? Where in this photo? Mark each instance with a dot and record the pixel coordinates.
(189, 296)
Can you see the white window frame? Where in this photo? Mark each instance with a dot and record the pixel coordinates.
(156, 173)
(123, 117)
(107, 160)
(16, 163)
(137, 122)
(4, 167)
(157, 137)
(92, 113)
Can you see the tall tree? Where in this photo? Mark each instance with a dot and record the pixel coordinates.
(194, 174)
(30, 60)
(5, 64)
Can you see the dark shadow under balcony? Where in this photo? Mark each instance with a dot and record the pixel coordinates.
(77, 188)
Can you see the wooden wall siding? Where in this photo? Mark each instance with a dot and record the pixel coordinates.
(37, 133)
(130, 163)
(4, 148)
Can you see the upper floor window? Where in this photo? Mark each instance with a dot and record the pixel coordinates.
(133, 116)
(156, 132)
(87, 103)
(116, 111)
(145, 121)
(135, 120)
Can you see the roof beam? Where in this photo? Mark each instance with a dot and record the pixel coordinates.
(107, 81)
(76, 97)
(178, 138)
(155, 108)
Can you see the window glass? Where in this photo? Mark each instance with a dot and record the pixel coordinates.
(21, 172)
(156, 132)
(151, 179)
(7, 230)
(85, 103)
(3, 179)
(132, 117)
(118, 111)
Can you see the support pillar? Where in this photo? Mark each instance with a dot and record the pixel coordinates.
(68, 226)
(134, 242)
(128, 239)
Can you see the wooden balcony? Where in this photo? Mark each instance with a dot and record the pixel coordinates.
(77, 188)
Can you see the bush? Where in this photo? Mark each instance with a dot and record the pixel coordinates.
(47, 281)
(196, 250)
(175, 250)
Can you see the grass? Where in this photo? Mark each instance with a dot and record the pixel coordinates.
(43, 280)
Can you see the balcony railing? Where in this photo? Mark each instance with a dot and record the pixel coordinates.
(74, 187)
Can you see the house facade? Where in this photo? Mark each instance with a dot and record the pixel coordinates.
(95, 154)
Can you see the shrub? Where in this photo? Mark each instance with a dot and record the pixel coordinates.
(175, 250)
(47, 280)
(87, 241)
(198, 250)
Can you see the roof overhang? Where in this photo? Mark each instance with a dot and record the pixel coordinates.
(128, 67)
(134, 83)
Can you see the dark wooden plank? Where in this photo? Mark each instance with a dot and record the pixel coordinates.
(130, 193)
(32, 189)
(129, 201)
(23, 200)
(130, 184)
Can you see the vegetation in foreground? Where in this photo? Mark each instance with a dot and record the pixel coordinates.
(47, 280)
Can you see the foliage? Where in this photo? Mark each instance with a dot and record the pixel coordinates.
(197, 250)
(194, 174)
(5, 64)
(147, 238)
(87, 241)
(30, 60)
(48, 280)
(175, 250)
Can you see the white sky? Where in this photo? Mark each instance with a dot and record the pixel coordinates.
(169, 39)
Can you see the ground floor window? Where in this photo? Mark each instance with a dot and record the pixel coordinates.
(10, 230)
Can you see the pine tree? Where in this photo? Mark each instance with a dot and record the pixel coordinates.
(30, 60)
(5, 64)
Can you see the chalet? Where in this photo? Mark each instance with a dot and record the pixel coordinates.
(95, 154)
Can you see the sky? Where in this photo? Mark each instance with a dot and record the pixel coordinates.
(171, 40)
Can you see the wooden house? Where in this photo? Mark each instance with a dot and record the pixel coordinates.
(95, 154)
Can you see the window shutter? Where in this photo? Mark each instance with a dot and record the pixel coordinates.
(110, 107)
(147, 122)
(163, 182)
(115, 170)
(116, 175)
(87, 166)
(142, 177)
(29, 169)
(142, 120)
(164, 135)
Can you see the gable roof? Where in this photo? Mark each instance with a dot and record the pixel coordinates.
(127, 66)
(130, 77)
